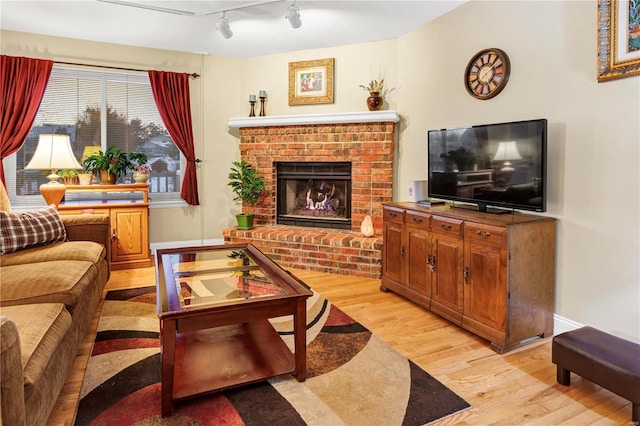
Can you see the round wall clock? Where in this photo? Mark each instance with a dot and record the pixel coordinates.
(487, 73)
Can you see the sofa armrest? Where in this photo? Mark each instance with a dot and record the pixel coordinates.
(89, 227)
(12, 408)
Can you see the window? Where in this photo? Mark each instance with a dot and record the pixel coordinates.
(99, 109)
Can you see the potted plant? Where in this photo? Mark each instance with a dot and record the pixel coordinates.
(247, 185)
(141, 170)
(69, 176)
(86, 175)
(111, 164)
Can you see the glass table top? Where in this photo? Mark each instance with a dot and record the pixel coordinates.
(215, 276)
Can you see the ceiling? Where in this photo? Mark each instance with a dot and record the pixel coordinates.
(259, 27)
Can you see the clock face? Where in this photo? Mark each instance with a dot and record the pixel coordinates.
(487, 73)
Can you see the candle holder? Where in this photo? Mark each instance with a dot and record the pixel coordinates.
(262, 98)
(252, 113)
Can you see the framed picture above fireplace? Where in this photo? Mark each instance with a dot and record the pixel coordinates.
(311, 82)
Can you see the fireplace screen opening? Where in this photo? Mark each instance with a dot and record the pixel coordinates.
(314, 194)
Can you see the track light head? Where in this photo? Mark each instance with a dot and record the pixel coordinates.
(293, 15)
(222, 25)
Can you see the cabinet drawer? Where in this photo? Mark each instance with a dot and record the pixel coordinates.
(83, 211)
(486, 233)
(417, 219)
(393, 215)
(446, 226)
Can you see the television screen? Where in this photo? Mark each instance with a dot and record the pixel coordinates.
(500, 165)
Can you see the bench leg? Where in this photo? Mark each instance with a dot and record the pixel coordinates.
(635, 413)
(563, 376)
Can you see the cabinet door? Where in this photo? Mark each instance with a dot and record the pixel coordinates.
(446, 281)
(129, 230)
(485, 290)
(393, 251)
(418, 247)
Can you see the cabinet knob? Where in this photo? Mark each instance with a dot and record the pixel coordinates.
(114, 235)
(447, 226)
(466, 274)
(416, 220)
(486, 234)
(393, 215)
(402, 251)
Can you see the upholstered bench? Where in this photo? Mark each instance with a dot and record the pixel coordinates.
(606, 360)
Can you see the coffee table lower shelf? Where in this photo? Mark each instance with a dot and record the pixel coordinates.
(220, 358)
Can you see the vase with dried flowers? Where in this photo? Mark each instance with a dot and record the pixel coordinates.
(376, 93)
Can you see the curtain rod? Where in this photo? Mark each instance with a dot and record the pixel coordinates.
(192, 75)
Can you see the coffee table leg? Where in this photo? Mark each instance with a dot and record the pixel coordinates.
(168, 353)
(300, 339)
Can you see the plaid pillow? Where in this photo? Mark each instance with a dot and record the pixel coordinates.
(22, 230)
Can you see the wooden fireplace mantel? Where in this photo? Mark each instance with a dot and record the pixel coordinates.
(310, 119)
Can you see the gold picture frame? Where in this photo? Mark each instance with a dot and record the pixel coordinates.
(618, 39)
(311, 82)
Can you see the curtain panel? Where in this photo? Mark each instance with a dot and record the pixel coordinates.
(24, 81)
(171, 93)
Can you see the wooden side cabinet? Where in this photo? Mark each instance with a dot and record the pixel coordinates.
(127, 206)
(493, 275)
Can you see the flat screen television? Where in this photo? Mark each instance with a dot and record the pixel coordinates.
(499, 165)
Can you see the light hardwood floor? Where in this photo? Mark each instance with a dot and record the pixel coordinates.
(516, 388)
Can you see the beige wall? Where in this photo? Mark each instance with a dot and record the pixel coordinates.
(593, 142)
(594, 129)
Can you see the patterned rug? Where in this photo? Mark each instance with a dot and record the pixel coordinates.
(353, 377)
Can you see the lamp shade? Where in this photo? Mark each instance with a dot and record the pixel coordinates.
(507, 151)
(52, 153)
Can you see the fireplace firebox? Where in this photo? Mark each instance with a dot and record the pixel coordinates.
(314, 194)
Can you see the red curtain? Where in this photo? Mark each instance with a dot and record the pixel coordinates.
(24, 81)
(171, 93)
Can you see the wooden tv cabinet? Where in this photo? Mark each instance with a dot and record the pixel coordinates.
(490, 274)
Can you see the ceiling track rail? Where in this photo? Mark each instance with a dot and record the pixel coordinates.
(186, 12)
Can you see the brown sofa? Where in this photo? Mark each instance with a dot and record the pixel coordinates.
(48, 296)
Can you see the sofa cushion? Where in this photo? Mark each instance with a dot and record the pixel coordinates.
(57, 281)
(22, 230)
(87, 251)
(41, 328)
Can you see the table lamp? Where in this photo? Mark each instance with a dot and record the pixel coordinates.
(53, 153)
(507, 151)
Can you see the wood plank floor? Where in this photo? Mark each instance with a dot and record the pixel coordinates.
(516, 388)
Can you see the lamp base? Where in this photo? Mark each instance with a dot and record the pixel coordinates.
(53, 192)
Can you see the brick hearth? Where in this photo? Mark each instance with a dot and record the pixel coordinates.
(364, 139)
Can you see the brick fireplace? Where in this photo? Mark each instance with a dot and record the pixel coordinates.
(363, 140)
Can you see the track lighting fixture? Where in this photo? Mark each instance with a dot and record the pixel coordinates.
(293, 15)
(223, 27)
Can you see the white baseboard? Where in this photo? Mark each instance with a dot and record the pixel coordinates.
(188, 243)
(561, 324)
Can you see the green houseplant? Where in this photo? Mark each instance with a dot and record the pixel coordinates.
(111, 164)
(69, 176)
(247, 185)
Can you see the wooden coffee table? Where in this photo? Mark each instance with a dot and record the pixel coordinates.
(214, 304)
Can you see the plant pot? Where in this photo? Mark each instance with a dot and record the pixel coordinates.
(85, 178)
(141, 177)
(107, 178)
(245, 220)
(374, 101)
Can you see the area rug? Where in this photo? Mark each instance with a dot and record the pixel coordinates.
(353, 377)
